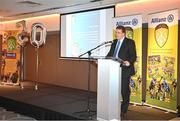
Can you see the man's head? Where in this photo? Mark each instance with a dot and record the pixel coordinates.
(120, 32)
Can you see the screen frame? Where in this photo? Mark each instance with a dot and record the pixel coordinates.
(89, 10)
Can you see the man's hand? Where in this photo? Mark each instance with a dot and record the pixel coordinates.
(126, 63)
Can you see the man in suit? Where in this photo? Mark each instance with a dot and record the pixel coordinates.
(124, 49)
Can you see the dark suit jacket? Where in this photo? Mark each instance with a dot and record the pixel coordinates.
(127, 52)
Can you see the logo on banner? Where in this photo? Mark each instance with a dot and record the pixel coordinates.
(134, 22)
(11, 43)
(161, 34)
(10, 55)
(170, 18)
(129, 32)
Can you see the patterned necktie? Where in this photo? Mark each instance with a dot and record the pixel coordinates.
(116, 51)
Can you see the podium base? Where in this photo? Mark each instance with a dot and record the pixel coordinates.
(87, 114)
(100, 119)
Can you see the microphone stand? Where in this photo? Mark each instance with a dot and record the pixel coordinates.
(89, 51)
(88, 111)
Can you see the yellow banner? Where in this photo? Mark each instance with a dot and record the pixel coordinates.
(133, 25)
(162, 60)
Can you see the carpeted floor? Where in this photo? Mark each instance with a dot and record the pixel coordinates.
(68, 102)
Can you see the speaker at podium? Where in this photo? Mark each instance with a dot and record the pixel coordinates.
(108, 86)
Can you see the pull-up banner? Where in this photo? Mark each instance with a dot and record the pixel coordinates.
(162, 60)
(133, 25)
(10, 62)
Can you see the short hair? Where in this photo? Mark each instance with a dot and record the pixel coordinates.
(121, 28)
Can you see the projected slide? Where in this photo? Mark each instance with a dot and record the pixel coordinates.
(83, 31)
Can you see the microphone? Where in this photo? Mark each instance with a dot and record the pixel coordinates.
(108, 42)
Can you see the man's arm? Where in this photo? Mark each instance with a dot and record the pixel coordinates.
(132, 53)
(109, 53)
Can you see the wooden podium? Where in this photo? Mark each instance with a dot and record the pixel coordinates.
(108, 90)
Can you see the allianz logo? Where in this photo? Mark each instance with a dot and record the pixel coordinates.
(169, 18)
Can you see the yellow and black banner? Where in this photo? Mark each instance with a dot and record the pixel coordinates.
(162, 60)
(133, 25)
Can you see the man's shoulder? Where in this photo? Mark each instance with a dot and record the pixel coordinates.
(129, 40)
(114, 40)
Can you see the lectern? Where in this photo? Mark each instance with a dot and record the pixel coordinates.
(108, 90)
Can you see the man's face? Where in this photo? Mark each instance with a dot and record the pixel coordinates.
(119, 34)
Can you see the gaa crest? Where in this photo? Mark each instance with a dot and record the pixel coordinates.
(11, 43)
(161, 34)
(129, 32)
